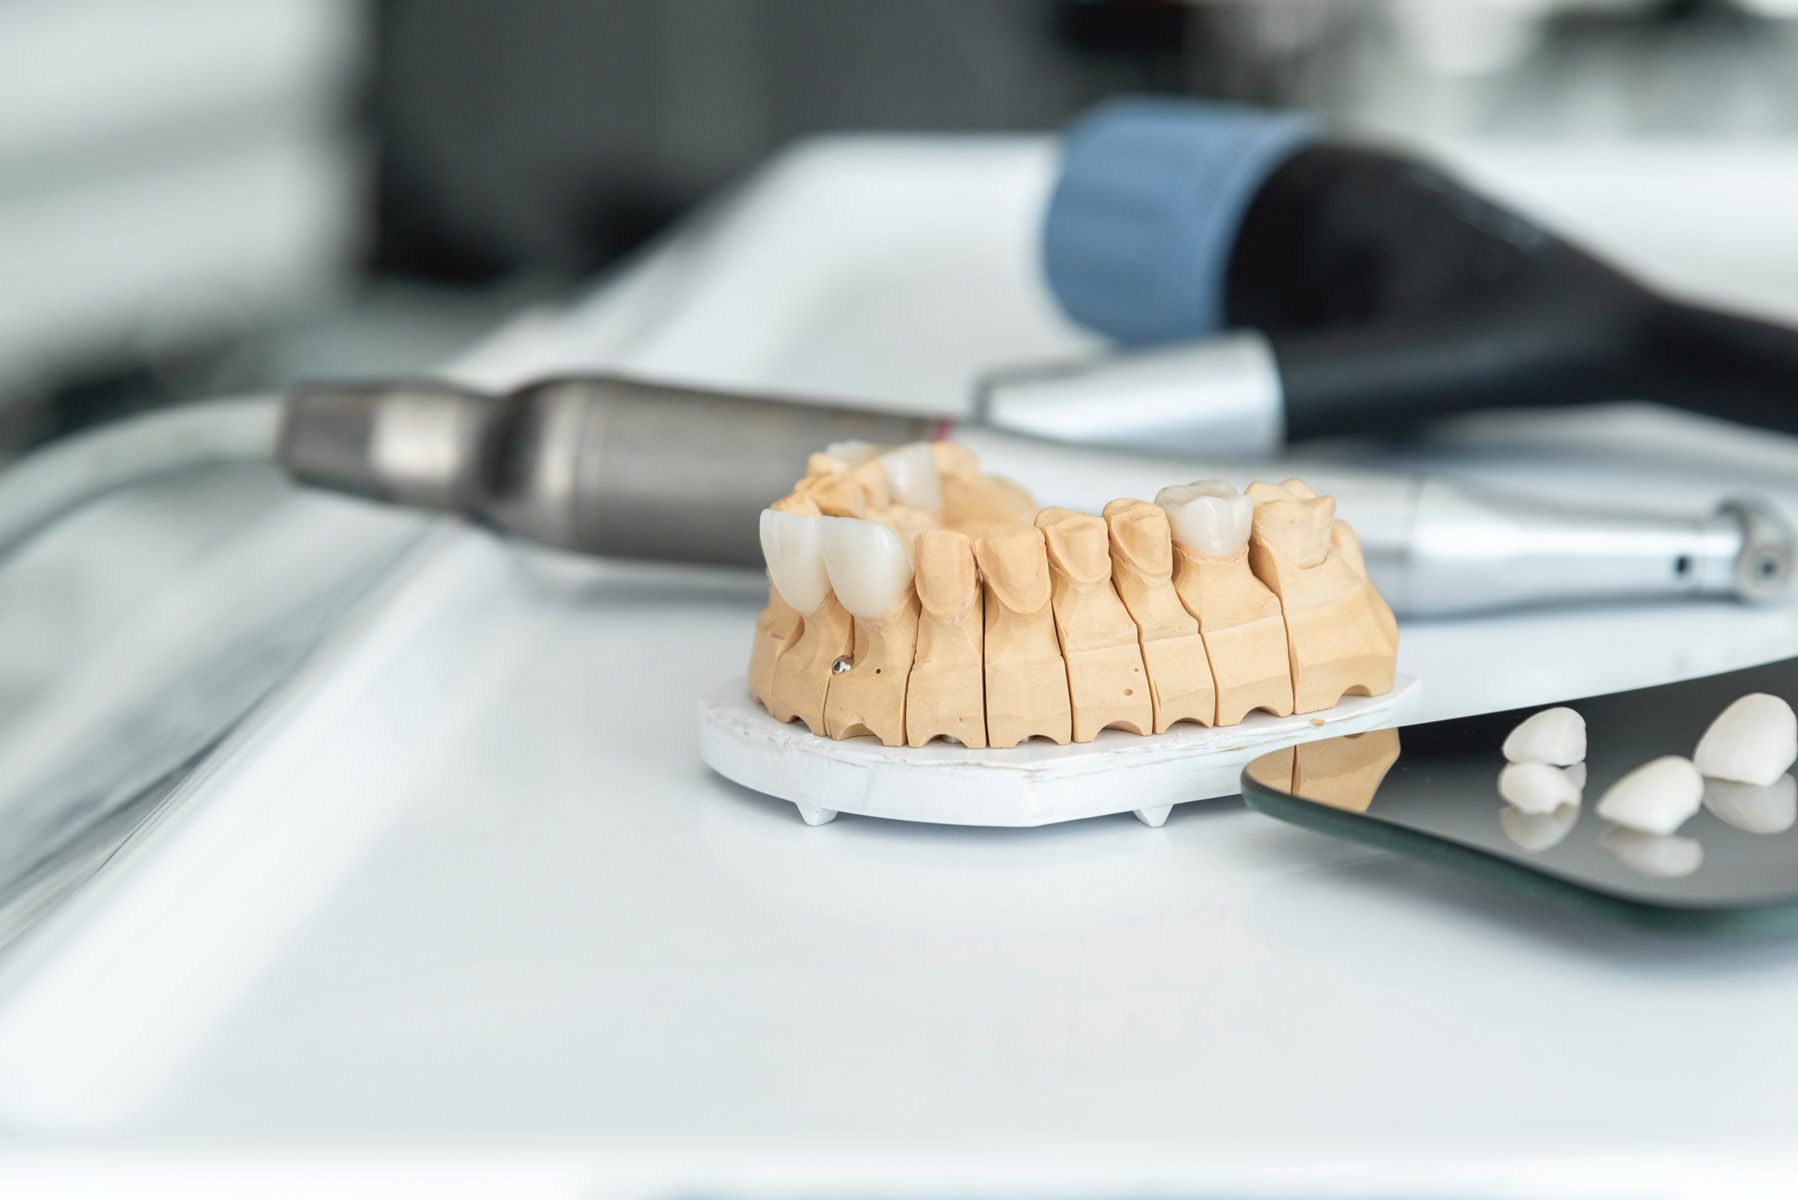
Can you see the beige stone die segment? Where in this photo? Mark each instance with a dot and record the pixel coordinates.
(946, 696)
(1341, 636)
(1244, 632)
(870, 572)
(779, 624)
(1026, 678)
(870, 697)
(1107, 685)
(1142, 558)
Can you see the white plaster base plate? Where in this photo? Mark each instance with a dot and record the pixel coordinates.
(1037, 783)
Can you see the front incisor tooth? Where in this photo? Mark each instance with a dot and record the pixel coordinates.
(1341, 638)
(779, 624)
(1107, 685)
(1142, 568)
(871, 573)
(794, 550)
(1026, 678)
(946, 695)
(1239, 618)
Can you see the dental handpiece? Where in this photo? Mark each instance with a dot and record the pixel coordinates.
(615, 467)
(1268, 283)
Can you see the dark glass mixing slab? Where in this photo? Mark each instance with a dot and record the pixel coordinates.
(1431, 791)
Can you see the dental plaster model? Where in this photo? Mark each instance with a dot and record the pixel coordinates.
(1754, 740)
(1341, 637)
(1026, 677)
(1656, 797)
(914, 597)
(946, 696)
(1142, 569)
(1239, 618)
(1107, 685)
(1537, 788)
(1556, 736)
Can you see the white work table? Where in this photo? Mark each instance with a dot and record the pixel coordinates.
(462, 894)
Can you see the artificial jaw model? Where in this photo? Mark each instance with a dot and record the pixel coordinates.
(914, 598)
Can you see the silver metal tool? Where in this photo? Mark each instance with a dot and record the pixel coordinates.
(617, 467)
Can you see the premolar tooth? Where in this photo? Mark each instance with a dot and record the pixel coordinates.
(1656, 797)
(911, 472)
(1556, 736)
(1754, 740)
(1208, 517)
(792, 546)
(867, 565)
(1537, 788)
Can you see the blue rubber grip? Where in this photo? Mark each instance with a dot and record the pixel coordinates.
(1145, 212)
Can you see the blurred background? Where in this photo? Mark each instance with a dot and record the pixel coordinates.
(200, 198)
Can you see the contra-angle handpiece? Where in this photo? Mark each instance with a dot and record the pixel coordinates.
(614, 467)
(1270, 284)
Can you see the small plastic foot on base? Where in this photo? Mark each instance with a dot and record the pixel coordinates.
(1154, 818)
(813, 815)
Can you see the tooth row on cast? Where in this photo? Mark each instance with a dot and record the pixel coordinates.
(1150, 613)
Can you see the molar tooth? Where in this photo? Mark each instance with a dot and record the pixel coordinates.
(1208, 517)
(1754, 740)
(1537, 788)
(868, 566)
(1556, 736)
(1656, 797)
(911, 472)
(792, 547)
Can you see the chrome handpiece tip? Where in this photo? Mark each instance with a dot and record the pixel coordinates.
(1768, 559)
